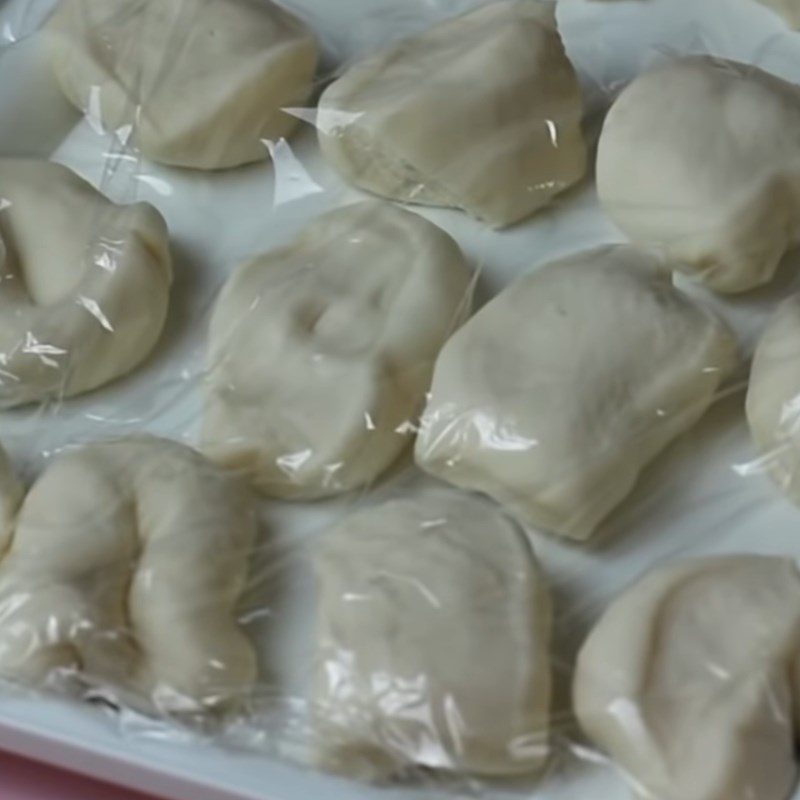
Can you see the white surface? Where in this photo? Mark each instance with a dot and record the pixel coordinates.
(707, 494)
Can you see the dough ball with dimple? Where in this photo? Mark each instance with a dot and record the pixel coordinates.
(84, 283)
(481, 112)
(773, 397)
(555, 396)
(433, 641)
(689, 680)
(321, 352)
(125, 563)
(699, 158)
(197, 83)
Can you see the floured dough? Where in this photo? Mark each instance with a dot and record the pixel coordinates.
(788, 9)
(84, 283)
(699, 158)
(321, 352)
(481, 112)
(198, 83)
(773, 397)
(558, 392)
(126, 562)
(433, 641)
(689, 680)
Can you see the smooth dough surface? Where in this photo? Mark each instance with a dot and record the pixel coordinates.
(773, 397)
(481, 112)
(84, 283)
(433, 642)
(689, 681)
(699, 158)
(126, 562)
(556, 394)
(197, 83)
(321, 352)
(788, 9)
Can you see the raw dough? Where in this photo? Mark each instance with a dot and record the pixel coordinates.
(11, 495)
(321, 352)
(773, 397)
(482, 112)
(434, 639)
(699, 158)
(126, 562)
(689, 681)
(558, 392)
(84, 283)
(788, 9)
(199, 83)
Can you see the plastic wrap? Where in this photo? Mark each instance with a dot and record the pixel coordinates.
(377, 395)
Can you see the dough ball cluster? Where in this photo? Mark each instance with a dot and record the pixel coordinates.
(125, 562)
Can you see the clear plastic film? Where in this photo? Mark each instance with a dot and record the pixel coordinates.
(399, 397)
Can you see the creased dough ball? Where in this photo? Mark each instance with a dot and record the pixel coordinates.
(321, 352)
(198, 83)
(788, 9)
(433, 642)
(699, 158)
(555, 395)
(773, 397)
(126, 562)
(84, 283)
(689, 680)
(481, 112)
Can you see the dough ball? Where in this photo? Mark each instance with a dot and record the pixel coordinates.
(84, 283)
(198, 83)
(126, 562)
(11, 495)
(481, 112)
(788, 9)
(433, 642)
(321, 352)
(773, 397)
(699, 158)
(556, 394)
(689, 683)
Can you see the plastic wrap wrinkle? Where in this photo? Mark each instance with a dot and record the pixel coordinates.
(364, 639)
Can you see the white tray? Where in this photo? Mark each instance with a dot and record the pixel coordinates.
(707, 494)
